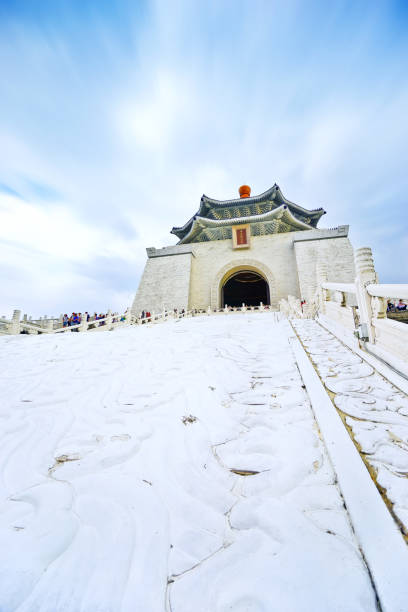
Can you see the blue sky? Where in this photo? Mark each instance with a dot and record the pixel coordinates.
(115, 117)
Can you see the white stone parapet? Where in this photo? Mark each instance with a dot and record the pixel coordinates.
(324, 234)
(342, 287)
(365, 312)
(178, 249)
(51, 325)
(388, 291)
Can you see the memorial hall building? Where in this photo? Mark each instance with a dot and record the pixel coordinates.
(247, 250)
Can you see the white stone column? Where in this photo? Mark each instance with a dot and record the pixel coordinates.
(108, 321)
(14, 326)
(366, 275)
(84, 323)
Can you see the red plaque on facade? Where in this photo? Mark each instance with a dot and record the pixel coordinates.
(241, 236)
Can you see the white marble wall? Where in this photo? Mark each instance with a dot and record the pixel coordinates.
(165, 284)
(193, 279)
(337, 255)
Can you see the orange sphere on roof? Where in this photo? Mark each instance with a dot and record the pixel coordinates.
(244, 191)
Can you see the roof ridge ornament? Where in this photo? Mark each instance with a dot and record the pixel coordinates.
(244, 191)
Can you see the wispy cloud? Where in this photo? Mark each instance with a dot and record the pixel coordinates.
(116, 117)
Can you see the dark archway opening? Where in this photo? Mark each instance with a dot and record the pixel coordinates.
(247, 288)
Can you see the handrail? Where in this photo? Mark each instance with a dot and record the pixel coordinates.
(388, 291)
(343, 287)
(66, 328)
(375, 290)
(41, 330)
(112, 321)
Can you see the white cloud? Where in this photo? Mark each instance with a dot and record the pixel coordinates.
(132, 121)
(152, 119)
(54, 230)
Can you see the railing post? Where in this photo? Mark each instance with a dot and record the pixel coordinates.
(84, 323)
(226, 308)
(379, 307)
(244, 308)
(31, 331)
(109, 319)
(14, 326)
(261, 307)
(339, 297)
(366, 275)
(49, 325)
(209, 310)
(128, 316)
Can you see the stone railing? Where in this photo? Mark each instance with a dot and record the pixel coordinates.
(360, 308)
(16, 325)
(293, 308)
(195, 312)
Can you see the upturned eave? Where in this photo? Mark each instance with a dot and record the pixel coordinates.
(274, 193)
(282, 212)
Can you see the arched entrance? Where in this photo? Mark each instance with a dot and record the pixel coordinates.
(245, 287)
(242, 264)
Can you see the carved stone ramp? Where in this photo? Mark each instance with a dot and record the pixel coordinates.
(380, 537)
(173, 468)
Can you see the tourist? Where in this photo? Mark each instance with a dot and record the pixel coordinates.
(74, 321)
(65, 320)
(401, 305)
(390, 306)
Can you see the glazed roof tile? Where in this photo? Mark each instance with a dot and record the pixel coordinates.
(274, 196)
(281, 213)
